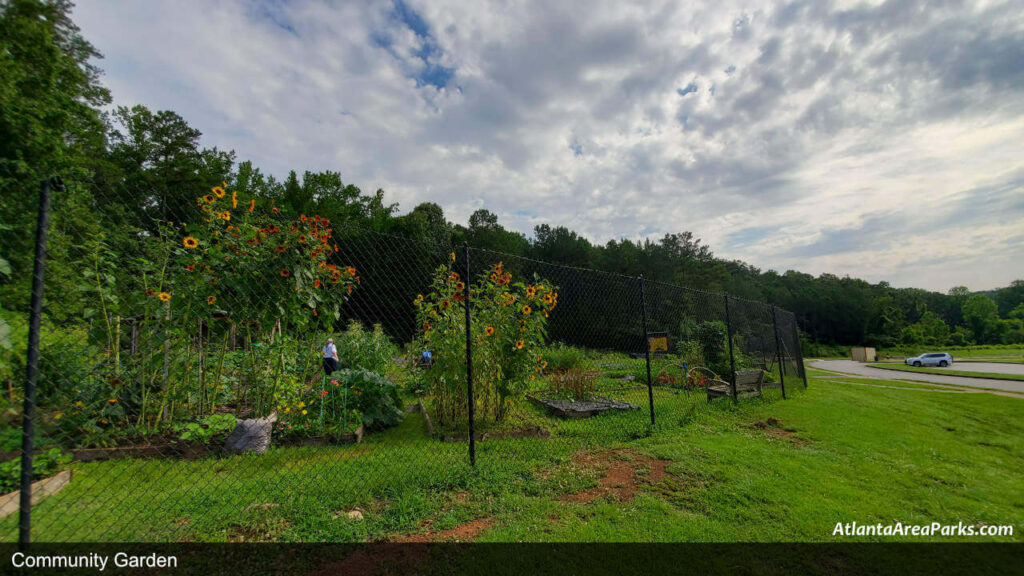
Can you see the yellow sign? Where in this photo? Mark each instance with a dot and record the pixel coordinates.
(657, 342)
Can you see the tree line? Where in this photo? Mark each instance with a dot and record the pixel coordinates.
(128, 168)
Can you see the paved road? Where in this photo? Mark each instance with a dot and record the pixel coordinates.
(987, 367)
(851, 367)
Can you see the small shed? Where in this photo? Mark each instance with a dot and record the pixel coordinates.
(863, 354)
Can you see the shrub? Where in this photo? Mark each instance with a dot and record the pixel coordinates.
(359, 349)
(376, 397)
(691, 352)
(713, 345)
(208, 429)
(562, 358)
(44, 464)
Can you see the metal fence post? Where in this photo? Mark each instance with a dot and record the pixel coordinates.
(647, 348)
(28, 428)
(799, 352)
(778, 352)
(732, 359)
(469, 363)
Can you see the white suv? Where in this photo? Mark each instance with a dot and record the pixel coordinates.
(931, 359)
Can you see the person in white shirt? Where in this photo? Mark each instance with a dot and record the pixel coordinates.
(330, 357)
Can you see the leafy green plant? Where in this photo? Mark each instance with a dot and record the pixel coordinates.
(562, 358)
(208, 429)
(44, 464)
(360, 349)
(376, 397)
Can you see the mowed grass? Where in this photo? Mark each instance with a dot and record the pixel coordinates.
(852, 453)
(948, 372)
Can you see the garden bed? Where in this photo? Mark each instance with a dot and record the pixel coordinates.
(581, 409)
(40, 489)
(350, 438)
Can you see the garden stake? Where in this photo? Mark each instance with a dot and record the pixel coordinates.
(28, 412)
(778, 351)
(323, 384)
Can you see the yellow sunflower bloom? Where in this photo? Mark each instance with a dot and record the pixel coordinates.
(234, 199)
(164, 296)
(527, 310)
(519, 344)
(190, 242)
(218, 191)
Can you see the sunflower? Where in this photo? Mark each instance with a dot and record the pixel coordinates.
(252, 205)
(280, 249)
(302, 238)
(285, 273)
(453, 256)
(548, 299)
(211, 299)
(531, 291)
(218, 191)
(527, 309)
(190, 242)
(150, 292)
(225, 215)
(519, 344)
(445, 304)
(234, 199)
(275, 210)
(164, 296)
(191, 267)
(350, 270)
(316, 283)
(489, 330)
(426, 326)
(349, 290)
(209, 199)
(453, 277)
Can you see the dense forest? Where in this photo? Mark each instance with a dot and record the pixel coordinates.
(127, 168)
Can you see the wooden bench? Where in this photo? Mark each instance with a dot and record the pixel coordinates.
(748, 383)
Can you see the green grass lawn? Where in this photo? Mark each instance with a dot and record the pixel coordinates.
(948, 372)
(852, 453)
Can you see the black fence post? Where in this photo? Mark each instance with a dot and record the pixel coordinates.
(647, 348)
(732, 359)
(778, 352)
(28, 428)
(799, 352)
(469, 363)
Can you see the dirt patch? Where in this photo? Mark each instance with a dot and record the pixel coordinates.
(462, 533)
(774, 428)
(621, 472)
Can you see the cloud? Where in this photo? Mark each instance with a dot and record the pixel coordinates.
(841, 137)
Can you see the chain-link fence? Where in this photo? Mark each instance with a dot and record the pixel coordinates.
(359, 364)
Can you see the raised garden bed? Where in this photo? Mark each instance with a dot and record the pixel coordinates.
(583, 408)
(40, 489)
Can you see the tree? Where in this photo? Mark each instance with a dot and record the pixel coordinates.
(981, 318)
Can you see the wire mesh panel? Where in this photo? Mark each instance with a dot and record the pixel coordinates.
(217, 365)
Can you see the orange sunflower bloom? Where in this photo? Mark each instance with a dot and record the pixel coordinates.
(519, 344)
(252, 205)
(225, 215)
(527, 310)
(275, 210)
(349, 289)
(209, 199)
(280, 249)
(191, 267)
(531, 291)
(164, 297)
(316, 283)
(218, 191)
(211, 299)
(489, 330)
(190, 242)
(234, 199)
(285, 273)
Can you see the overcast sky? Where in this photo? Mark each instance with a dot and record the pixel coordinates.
(883, 140)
